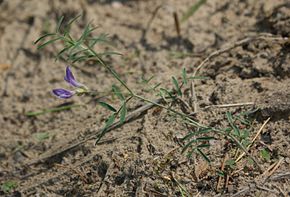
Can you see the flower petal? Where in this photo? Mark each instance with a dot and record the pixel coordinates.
(63, 93)
(69, 77)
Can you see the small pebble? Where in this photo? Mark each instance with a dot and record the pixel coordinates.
(117, 4)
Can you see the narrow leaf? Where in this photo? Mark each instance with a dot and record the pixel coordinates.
(73, 20)
(43, 36)
(192, 10)
(168, 93)
(107, 53)
(204, 156)
(184, 76)
(62, 51)
(234, 127)
(195, 133)
(204, 138)
(203, 146)
(59, 24)
(265, 155)
(123, 113)
(41, 136)
(107, 106)
(177, 88)
(110, 121)
(156, 86)
(116, 90)
(55, 109)
(48, 42)
(195, 141)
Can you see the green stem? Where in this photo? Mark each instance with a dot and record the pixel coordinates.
(109, 69)
(182, 115)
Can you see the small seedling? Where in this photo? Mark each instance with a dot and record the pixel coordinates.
(8, 186)
(265, 155)
(41, 136)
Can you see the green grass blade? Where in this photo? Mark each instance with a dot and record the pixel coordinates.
(192, 10)
(204, 138)
(51, 110)
(184, 76)
(200, 139)
(203, 146)
(204, 156)
(201, 131)
(48, 42)
(107, 53)
(43, 36)
(231, 121)
(177, 88)
(62, 51)
(73, 20)
(59, 24)
(169, 94)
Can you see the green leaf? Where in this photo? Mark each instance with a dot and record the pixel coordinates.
(231, 163)
(73, 20)
(246, 142)
(195, 133)
(107, 106)
(192, 10)
(116, 90)
(184, 76)
(8, 186)
(243, 120)
(123, 113)
(204, 138)
(79, 59)
(265, 155)
(203, 146)
(62, 51)
(220, 173)
(59, 24)
(146, 81)
(231, 121)
(50, 110)
(102, 38)
(107, 53)
(200, 139)
(110, 121)
(87, 31)
(48, 42)
(177, 88)
(204, 156)
(166, 93)
(156, 86)
(244, 134)
(41, 136)
(43, 36)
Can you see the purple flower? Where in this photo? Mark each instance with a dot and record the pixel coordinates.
(65, 94)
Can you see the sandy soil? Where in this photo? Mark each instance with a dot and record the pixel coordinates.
(143, 157)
